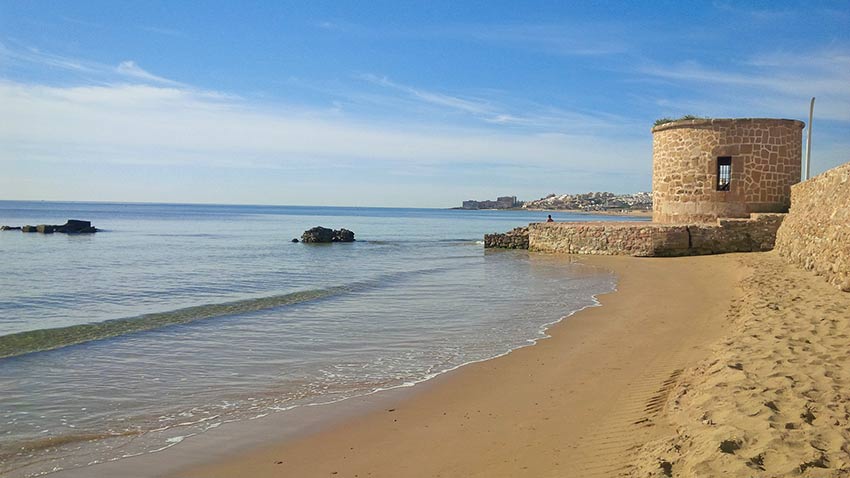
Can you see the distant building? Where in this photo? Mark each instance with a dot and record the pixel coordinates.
(504, 202)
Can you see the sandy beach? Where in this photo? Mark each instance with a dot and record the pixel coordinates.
(771, 399)
(572, 405)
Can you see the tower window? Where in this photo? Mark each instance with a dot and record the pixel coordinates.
(724, 172)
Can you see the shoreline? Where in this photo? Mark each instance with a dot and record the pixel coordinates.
(546, 417)
(553, 414)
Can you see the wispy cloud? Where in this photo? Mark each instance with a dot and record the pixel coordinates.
(151, 123)
(34, 55)
(95, 71)
(131, 69)
(475, 106)
(772, 83)
(497, 109)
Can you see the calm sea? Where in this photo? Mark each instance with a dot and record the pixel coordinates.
(177, 318)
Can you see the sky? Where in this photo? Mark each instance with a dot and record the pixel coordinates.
(392, 103)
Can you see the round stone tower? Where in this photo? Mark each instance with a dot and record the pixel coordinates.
(706, 169)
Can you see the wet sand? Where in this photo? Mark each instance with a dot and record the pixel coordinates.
(572, 405)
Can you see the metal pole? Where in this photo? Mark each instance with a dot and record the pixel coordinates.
(809, 139)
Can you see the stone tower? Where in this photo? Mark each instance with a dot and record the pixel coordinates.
(705, 169)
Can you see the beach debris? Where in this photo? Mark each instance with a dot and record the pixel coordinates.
(71, 226)
(730, 446)
(756, 462)
(320, 234)
(666, 467)
(808, 416)
(820, 462)
(737, 366)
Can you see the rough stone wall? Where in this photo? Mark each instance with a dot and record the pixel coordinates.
(514, 239)
(816, 234)
(756, 233)
(766, 157)
(607, 238)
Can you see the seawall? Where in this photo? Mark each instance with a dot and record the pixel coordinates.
(816, 233)
(756, 233)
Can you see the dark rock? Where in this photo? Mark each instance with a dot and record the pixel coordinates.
(514, 239)
(71, 226)
(317, 234)
(666, 468)
(320, 234)
(730, 446)
(295, 240)
(75, 226)
(343, 235)
(10, 228)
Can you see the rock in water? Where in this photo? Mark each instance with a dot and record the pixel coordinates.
(343, 235)
(320, 234)
(75, 226)
(317, 234)
(71, 226)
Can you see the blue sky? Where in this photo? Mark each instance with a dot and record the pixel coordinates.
(392, 103)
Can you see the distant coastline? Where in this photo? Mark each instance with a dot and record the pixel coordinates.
(611, 212)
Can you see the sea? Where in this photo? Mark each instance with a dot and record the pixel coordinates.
(175, 318)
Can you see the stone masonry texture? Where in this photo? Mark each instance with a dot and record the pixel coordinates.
(756, 233)
(816, 233)
(766, 157)
(642, 239)
(514, 239)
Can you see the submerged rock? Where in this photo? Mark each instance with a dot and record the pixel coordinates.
(320, 234)
(71, 226)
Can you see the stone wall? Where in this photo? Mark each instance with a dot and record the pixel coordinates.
(756, 233)
(816, 234)
(766, 157)
(514, 239)
(607, 238)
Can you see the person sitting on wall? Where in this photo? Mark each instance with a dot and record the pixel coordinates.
(550, 219)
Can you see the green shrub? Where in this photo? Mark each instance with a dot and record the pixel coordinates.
(665, 120)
